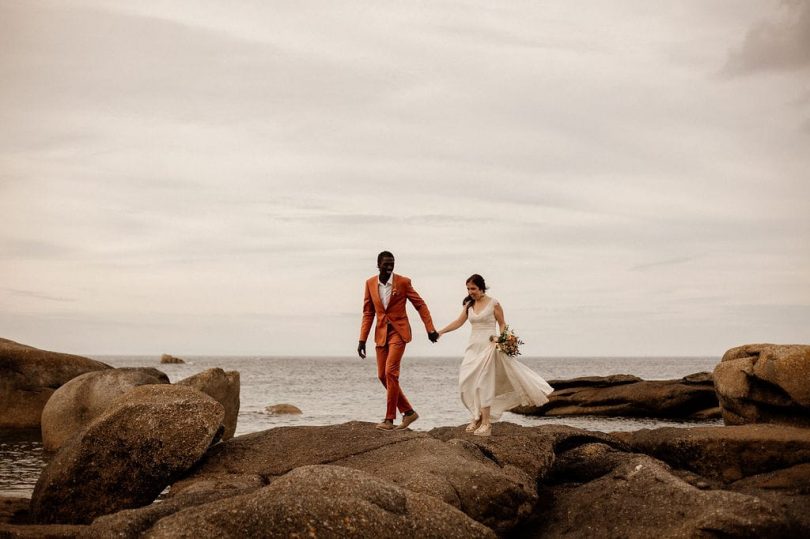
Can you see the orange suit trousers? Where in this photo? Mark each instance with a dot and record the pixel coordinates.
(388, 359)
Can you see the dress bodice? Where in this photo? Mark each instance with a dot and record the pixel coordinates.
(483, 323)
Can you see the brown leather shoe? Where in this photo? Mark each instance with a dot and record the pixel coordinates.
(407, 420)
(387, 424)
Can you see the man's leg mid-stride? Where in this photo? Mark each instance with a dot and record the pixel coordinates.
(388, 360)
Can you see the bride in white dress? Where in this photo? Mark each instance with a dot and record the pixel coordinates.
(491, 382)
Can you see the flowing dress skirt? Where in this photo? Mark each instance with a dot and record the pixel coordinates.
(488, 377)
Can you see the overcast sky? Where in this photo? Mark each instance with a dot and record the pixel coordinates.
(631, 177)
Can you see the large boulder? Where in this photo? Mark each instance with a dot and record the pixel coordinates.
(274, 452)
(543, 481)
(621, 495)
(727, 454)
(458, 472)
(125, 457)
(28, 378)
(133, 523)
(794, 479)
(86, 397)
(529, 449)
(788, 489)
(690, 397)
(706, 462)
(323, 501)
(224, 388)
(765, 383)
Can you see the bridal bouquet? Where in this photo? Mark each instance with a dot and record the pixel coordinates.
(507, 342)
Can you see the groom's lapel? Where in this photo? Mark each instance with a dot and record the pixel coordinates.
(375, 291)
(394, 280)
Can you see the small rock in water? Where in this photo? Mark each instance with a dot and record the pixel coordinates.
(280, 409)
(166, 358)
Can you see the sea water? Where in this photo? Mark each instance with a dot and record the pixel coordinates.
(331, 390)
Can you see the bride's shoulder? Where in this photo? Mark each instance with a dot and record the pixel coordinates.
(493, 301)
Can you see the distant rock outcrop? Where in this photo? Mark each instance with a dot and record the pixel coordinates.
(125, 457)
(86, 397)
(224, 388)
(765, 383)
(28, 378)
(166, 358)
(622, 395)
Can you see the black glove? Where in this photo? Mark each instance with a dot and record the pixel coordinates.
(433, 336)
(361, 349)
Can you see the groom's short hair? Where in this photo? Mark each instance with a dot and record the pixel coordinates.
(383, 255)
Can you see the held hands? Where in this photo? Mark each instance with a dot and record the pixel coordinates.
(361, 346)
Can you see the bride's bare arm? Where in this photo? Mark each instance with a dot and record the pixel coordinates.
(499, 316)
(455, 324)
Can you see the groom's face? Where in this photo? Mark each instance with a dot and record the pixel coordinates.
(386, 267)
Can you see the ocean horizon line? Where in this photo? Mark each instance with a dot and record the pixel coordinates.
(350, 356)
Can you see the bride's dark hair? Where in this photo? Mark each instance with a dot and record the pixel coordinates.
(478, 281)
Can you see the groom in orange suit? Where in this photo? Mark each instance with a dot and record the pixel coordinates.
(385, 298)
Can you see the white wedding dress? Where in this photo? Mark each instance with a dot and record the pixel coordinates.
(488, 377)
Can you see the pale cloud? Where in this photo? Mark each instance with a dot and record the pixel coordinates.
(212, 178)
(668, 262)
(779, 42)
(35, 295)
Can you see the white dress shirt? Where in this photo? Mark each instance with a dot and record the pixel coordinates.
(385, 290)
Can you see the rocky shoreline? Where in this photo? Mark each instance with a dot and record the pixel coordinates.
(548, 481)
(123, 436)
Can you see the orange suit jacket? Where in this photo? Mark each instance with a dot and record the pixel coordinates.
(395, 313)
